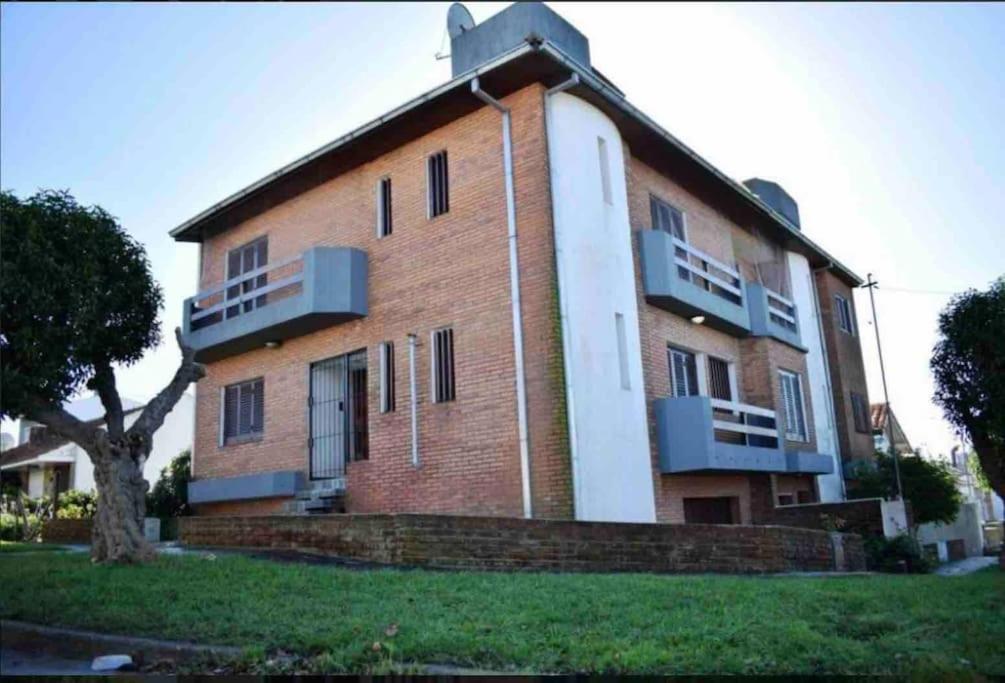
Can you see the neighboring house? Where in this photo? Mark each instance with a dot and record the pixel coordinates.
(602, 327)
(882, 421)
(7, 441)
(44, 463)
(991, 507)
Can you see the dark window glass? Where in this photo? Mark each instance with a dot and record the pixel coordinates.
(245, 260)
(437, 180)
(683, 373)
(443, 365)
(244, 411)
(387, 377)
(666, 217)
(384, 221)
(718, 379)
(860, 413)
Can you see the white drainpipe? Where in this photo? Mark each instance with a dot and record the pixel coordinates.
(563, 311)
(514, 286)
(413, 400)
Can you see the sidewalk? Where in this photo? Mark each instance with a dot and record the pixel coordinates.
(967, 566)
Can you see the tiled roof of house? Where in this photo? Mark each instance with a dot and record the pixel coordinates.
(878, 412)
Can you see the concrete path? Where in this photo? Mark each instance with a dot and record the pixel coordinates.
(967, 566)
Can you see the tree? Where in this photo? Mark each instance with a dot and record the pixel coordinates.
(929, 486)
(169, 497)
(76, 298)
(969, 368)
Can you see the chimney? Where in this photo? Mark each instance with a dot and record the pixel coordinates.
(775, 196)
(471, 46)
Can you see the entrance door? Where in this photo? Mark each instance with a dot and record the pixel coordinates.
(338, 415)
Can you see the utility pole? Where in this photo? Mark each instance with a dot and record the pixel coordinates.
(870, 285)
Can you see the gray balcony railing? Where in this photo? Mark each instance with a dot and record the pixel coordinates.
(684, 280)
(700, 434)
(321, 287)
(773, 315)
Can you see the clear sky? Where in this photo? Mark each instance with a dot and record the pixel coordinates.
(883, 121)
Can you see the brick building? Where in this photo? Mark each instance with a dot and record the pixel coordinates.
(517, 295)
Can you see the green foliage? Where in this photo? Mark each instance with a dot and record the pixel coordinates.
(12, 527)
(74, 504)
(169, 496)
(75, 290)
(977, 472)
(527, 621)
(929, 486)
(898, 555)
(968, 364)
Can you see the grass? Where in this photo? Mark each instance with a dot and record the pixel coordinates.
(386, 620)
(20, 547)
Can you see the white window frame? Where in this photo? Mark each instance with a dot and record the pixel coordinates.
(701, 370)
(605, 171)
(845, 314)
(791, 435)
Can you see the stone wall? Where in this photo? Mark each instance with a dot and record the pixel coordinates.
(66, 531)
(516, 544)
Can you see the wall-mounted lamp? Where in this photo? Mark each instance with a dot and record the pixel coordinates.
(698, 319)
(274, 344)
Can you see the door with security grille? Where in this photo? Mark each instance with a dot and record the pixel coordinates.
(338, 414)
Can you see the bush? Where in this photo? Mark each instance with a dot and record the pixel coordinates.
(169, 497)
(12, 528)
(929, 486)
(896, 555)
(74, 504)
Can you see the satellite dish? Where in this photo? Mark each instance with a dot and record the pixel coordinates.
(459, 20)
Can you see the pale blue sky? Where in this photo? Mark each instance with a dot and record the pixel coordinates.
(883, 121)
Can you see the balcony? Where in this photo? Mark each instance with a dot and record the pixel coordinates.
(773, 315)
(683, 280)
(321, 287)
(702, 434)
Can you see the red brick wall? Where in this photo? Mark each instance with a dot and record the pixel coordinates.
(67, 531)
(844, 354)
(500, 543)
(451, 270)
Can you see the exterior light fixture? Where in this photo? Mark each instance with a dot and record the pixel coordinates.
(698, 319)
(274, 344)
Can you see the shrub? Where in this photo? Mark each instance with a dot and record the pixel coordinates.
(74, 504)
(12, 527)
(896, 555)
(169, 497)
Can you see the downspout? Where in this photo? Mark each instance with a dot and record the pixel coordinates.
(514, 286)
(413, 400)
(563, 311)
(831, 414)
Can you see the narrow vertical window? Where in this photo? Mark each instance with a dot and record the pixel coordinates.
(619, 328)
(443, 365)
(860, 413)
(438, 199)
(387, 377)
(794, 408)
(244, 411)
(683, 373)
(384, 223)
(605, 171)
(719, 379)
(844, 314)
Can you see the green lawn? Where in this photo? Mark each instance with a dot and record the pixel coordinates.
(380, 620)
(19, 547)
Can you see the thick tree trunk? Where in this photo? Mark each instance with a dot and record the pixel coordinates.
(118, 523)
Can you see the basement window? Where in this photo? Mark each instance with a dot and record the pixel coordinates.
(384, 224)
(243, 412)
(443, 365)
(438, 199)
(387, 377)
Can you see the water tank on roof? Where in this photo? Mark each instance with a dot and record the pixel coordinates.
(775, 196)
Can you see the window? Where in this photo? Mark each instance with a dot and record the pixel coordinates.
(844, 314)
(438, 201)
(605, 171)
(387, 377)
(243, 411)
(793, 406)
(860, 413)
(683, 373)
(667, 218)
(384, 224)
(242, 261)
(804, 497)
(619, 329)
(359, 439)
(721, 510)
(786, 499)
(720, 384)
(443, 365)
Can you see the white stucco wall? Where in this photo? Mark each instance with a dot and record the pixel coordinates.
(611, 462)
(830, 485)
(174, 436)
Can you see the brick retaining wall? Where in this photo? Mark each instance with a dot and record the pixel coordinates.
(863, 517)
(66, 531)
(507, 543)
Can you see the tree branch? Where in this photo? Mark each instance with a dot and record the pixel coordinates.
(156, 410)
(103, 382)
(64, 424)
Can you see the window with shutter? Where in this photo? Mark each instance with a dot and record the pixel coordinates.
(244, 411)
(792, 403)
(683, 373)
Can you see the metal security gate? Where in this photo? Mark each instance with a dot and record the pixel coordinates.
(338, 414)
